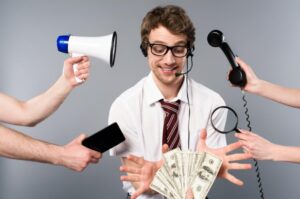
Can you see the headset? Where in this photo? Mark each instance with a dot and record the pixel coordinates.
(189, 54)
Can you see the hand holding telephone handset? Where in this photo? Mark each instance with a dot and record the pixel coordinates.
(236, 76)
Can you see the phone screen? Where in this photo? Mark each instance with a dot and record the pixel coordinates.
(105, 139)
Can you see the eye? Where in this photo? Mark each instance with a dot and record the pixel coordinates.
(160, 49)
(179, 50)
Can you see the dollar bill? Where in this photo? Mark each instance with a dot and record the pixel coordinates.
(211, 163)
(172, 168)
(157, 186)
(201, 184)
(185, 169)
(169, 184)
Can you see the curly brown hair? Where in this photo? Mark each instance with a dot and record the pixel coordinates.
(174, 18)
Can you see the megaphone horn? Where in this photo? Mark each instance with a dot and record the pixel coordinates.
(103, 47)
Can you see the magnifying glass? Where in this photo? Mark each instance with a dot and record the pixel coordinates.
(231, 120)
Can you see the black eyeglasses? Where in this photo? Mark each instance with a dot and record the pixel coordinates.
(161, 50)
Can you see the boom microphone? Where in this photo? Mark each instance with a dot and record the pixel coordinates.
(186, 72)
(188, 68)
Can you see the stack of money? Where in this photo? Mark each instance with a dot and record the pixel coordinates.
(183, 170)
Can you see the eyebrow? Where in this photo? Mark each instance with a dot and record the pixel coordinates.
(176, 44)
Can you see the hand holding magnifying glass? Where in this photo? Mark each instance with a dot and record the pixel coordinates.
(231, 126)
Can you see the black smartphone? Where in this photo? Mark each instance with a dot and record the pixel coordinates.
(105, 139)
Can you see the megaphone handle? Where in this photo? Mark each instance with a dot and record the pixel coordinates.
(75, 69)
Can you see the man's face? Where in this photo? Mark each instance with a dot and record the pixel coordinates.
(166, 66)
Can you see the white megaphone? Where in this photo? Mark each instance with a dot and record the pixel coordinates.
(103, 47)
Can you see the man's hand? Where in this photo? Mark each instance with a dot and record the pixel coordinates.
(77, 157)
(141, 172)
(189, 194)
(83, 65)
(227, 159)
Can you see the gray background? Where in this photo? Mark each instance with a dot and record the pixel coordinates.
(264, 33)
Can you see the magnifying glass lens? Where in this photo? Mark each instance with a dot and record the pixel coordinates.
(231, 120)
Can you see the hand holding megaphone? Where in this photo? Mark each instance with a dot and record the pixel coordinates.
(103, 47)
(83, 66)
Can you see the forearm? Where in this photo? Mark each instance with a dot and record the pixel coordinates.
(286, 154)
(16, 145)
(280, 94)
(44, 105)
(35, 110)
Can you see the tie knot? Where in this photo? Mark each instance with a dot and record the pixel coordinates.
(170, 107)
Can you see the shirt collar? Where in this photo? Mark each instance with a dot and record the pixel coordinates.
(152, 93)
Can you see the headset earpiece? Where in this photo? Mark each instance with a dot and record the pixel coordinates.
(190, 52)
(144, 50)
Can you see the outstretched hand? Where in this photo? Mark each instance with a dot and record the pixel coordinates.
(227, 159)
(141, 172)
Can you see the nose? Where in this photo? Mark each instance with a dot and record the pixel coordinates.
(169, 58)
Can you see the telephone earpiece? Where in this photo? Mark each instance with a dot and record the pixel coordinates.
(237, 76)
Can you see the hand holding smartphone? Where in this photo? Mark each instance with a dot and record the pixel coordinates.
(105, 139)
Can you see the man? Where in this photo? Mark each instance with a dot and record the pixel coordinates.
(165, 107)
(14, 144)
(256, 145)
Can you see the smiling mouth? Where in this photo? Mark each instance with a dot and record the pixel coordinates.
(168, 69)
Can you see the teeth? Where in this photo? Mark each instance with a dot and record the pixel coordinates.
(167, 69)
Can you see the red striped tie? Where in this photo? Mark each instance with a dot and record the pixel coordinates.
(170, 131)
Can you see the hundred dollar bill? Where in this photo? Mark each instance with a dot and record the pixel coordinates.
(184, 169)
(201, 184)
(196, 166)
(180, 165)
(206, 175)
(211, 163)
(166, 175)
(186, 162)
(172, 167)
(169, 184)
(159, 185)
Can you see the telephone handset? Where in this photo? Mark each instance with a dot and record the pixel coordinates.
(236, 76)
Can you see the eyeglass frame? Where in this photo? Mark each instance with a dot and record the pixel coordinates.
(169, 48)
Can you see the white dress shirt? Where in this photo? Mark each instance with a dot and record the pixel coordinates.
(139, 114)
